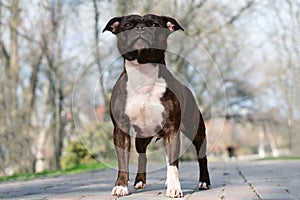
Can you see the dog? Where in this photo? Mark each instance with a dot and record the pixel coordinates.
(149, 99)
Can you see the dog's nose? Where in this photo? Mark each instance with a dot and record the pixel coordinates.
(140, 28)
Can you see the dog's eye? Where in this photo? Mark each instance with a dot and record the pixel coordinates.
(128, 25)
(154, 24)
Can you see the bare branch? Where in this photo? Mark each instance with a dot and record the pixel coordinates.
(242, 10)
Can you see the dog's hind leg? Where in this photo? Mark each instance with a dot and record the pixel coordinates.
(141, 146)
(200, 145)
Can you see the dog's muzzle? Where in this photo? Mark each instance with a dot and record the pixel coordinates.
(140, 44)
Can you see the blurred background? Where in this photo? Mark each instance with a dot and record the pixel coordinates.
(55, 90)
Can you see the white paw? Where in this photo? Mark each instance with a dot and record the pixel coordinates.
(174, 190)
(139, 185)
(203, 186)
(172, 183)
(119, 191)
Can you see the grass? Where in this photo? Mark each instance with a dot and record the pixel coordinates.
(281, 158)
(53, 173)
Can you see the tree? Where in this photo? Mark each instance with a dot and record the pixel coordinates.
(286, 43)
(33, 88)
(15, 143)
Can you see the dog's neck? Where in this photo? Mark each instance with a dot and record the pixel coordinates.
(142, 74)
(148, 69)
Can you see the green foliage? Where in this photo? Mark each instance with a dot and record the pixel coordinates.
(247, 150)
(73, 170)
(281, 158)
(96, 142)
(76, 154)
(98, 138)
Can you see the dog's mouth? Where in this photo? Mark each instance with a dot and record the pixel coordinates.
(140, 44)
(142, 49)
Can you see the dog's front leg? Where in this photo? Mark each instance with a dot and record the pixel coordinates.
(122, 145)
(141, 146)
(172, 147)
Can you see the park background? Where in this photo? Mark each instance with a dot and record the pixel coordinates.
(54, 88)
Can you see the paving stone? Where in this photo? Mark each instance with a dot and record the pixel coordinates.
(230, 180)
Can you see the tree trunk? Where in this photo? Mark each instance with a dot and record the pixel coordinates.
(53, 52)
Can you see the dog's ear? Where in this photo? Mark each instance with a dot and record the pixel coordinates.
(113, 25)
(171, 24)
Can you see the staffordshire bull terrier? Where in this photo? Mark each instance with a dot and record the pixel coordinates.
(148, 98)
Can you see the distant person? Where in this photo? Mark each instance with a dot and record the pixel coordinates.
(231, 151)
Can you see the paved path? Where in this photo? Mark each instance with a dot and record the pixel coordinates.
(232, 180)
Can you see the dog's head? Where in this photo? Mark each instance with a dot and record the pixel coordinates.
(143, 38)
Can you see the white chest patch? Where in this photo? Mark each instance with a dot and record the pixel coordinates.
(144, 90)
